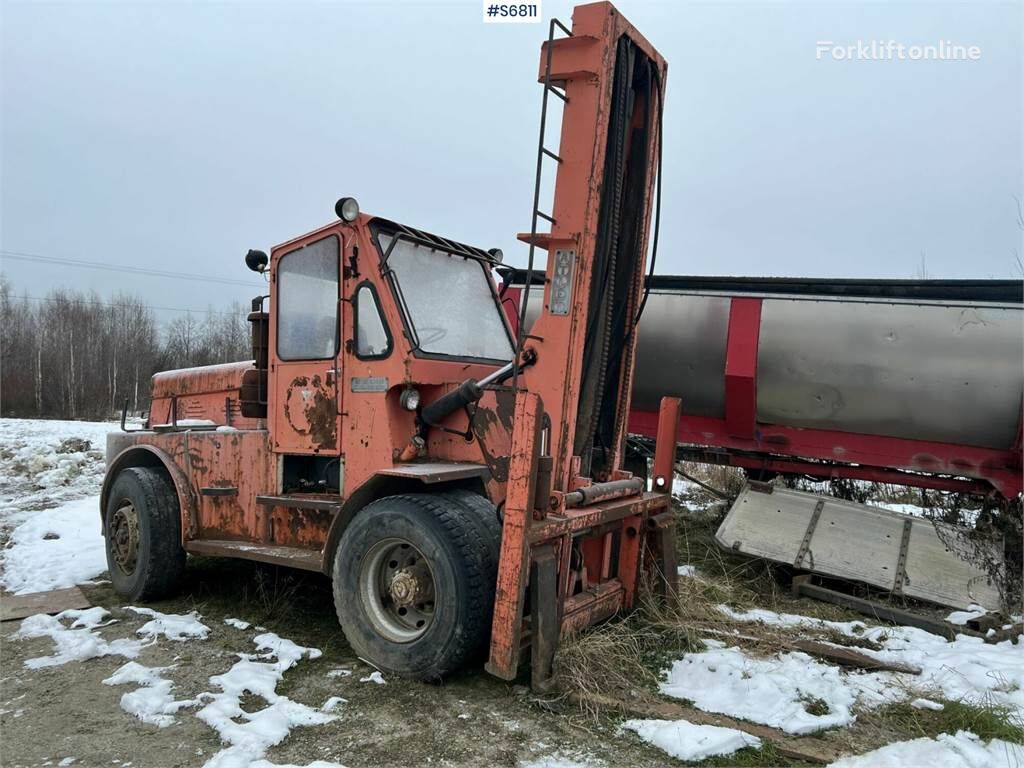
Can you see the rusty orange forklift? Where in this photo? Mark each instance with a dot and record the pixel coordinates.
(461, 486)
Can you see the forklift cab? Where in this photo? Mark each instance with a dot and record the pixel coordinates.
(368, 316)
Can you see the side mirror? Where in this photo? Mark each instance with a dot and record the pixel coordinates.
(256, 261)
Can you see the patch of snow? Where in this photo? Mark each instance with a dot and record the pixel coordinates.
(773, 619)
(964, 669)
(45, 463)
(55, 549)
(332, 703)
(237, 623)
(268, 764)
(186, 423)
(152, 702)
(960, 618)
(249, 739)
(964, 750)
(558, 760)
(340, 672)
(173, 626)
(912, 510)
(683, 487)
(66, 761)
(373, 677)
(688, 571)
(935, 706)
(690, 742)
(76, 642)
(776, 691)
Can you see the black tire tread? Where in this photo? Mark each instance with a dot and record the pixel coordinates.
(165, 566)
(485, 515)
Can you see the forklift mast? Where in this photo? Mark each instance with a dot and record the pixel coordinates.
(612, 83)
(571, 516)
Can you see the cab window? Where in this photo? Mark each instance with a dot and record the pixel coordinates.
(307, 305)
(371, 334)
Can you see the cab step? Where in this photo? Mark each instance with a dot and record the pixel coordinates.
(292, 557)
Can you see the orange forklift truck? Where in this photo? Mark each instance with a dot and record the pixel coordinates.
(460, 485)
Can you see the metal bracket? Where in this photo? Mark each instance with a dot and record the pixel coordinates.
(901, 564)
(805, 545)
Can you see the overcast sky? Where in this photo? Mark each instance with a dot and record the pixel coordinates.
(176, 135)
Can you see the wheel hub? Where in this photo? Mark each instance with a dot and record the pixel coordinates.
(411, 585)
(124, 537)
(396, 588)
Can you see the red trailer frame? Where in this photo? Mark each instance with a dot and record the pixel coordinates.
(740, 440)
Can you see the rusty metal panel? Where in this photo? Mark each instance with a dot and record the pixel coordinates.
(437, 471)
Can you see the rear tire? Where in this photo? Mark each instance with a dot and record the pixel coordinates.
(414, 579)
(142, 525)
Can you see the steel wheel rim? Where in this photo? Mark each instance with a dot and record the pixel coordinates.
(124, 537)
(397, 589)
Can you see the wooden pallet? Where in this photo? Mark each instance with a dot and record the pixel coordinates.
(846, 540)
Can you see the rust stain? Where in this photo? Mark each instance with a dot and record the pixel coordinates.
(488, 425)
(317, 418)
(322, 420)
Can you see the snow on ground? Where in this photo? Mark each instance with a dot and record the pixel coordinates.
(964, 750)
(152, 702)
(688, 741)
(682, 487)
(54, 548)
(791, 691)
(912, 510)
(247, 735)
(966, 668)
(960, 618)
(237, 623)
(249, 740)
(76, 641)
(373, 677)
(50, 476)
(173, 626)
(559, 760)
(44, 463)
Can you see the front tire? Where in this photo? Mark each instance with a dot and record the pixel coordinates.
(414, 579)
(142, 525)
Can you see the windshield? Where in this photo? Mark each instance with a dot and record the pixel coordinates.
(449, 302)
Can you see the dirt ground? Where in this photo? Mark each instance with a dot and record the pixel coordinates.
(55, 713)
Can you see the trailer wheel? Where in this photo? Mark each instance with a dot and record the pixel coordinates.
(142, 522)
(414, 578)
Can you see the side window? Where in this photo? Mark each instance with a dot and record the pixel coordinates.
(371, 334)
(307, 302)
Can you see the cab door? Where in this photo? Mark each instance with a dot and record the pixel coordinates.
(304, 341)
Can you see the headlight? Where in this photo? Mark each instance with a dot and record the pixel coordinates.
(409, 399)
(347, 209)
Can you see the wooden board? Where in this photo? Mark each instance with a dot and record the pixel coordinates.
(811, 749)
(19, 606)
(856, 542)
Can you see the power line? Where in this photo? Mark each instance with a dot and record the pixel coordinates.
(132, 302)
(22, 256)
